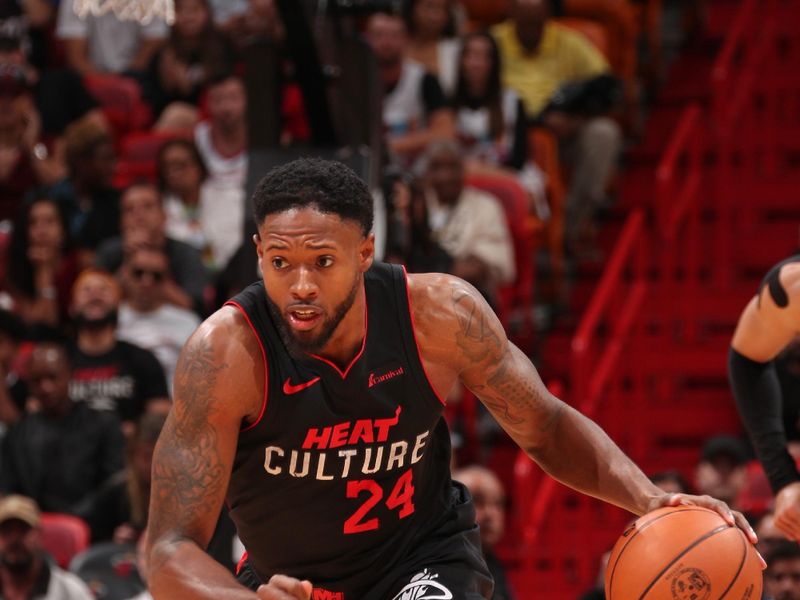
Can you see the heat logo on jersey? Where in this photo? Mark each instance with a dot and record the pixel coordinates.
(423, 586)
(346, 449)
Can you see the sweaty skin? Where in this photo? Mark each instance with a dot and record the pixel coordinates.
(767, 325)
(310, 258)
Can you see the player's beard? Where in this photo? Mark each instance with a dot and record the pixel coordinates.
(300, 348)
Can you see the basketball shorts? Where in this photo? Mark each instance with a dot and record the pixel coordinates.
(447, 566)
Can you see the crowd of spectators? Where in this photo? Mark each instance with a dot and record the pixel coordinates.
(104, 276)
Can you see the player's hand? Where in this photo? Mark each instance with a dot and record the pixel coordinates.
(281, 587)
(732, 517)
(787, 511)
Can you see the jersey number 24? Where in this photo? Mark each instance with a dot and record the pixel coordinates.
(401, 497)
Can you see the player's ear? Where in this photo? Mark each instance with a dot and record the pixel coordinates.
(366, 252)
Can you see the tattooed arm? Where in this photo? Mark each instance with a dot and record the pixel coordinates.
(218, 383)
(461, 337)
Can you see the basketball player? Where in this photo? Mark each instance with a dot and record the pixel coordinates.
(314, 400)
(768, 324)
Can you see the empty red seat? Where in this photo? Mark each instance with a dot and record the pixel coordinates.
(64, 536)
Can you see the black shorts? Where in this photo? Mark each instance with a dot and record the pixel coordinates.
(448, 565)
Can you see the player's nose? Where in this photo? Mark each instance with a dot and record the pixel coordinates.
(304, 286)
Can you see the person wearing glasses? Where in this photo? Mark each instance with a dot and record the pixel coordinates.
(146, 318)
(143, 223)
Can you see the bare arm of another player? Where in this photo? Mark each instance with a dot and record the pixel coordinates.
(566, 444)
(768, 323)
(218, 382)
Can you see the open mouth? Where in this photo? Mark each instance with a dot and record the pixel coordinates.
(303, 319)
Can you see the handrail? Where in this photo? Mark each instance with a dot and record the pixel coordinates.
(629, 240)
(722, 69)
(673, 202)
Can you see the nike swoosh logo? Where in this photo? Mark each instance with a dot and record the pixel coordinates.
(290, 389)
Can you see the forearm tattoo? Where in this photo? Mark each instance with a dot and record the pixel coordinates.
(188, 473)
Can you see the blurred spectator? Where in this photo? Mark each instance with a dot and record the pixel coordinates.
(25, 571)
(208, 217)
(227, 11)
(194, 51)
(142, 222)
(87, 194)
(107, 373)
(411, 241)
(722, 471)
(782, 576)
(539, 57)
(60, 96)
(414, 108)
(433, 40)
(490, 118)
(671, 482)
(222, 140)
(146, 318)
(118, 510)
(42, 265)
(106, 44)
(468, 223)
(25, 160)
(62, 452)
(489, 500)
(29, 22)
(244, 20)
(13, 390)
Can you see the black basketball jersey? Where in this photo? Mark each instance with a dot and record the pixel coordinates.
(345, 472)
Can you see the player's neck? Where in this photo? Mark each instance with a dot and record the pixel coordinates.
(348, 339)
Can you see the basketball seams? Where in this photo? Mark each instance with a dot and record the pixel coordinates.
(741, 565)
(642, 528)
(694, 544)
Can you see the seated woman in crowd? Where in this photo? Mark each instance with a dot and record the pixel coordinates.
(42, 265)
(490, 118)
(205, 216)
(194, 52)
(433, 40)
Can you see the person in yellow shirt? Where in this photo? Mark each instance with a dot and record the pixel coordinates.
(539, 56)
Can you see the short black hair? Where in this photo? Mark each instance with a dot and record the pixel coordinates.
(329, 186)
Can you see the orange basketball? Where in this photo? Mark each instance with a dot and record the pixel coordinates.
(683, 553)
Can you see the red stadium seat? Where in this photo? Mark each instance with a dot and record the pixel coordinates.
(64, 536)
(120, 99)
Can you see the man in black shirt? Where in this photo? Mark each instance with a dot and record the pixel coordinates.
(109, 374)
(59, 454)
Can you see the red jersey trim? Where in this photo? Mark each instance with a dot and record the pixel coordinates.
(263, 356)
(343, 375)
(416, 341)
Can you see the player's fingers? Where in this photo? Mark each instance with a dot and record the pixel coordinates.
(296, 588)
(742, 524)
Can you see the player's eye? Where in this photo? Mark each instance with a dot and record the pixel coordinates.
(279, 263)
(324, 261)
